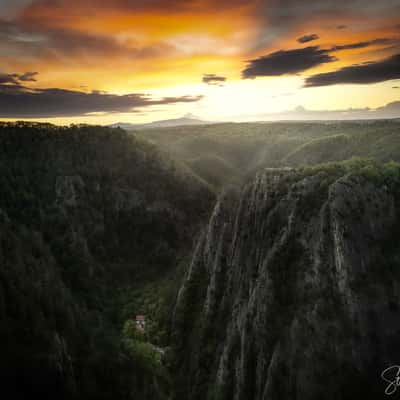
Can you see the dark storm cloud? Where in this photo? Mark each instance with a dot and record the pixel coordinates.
(212, 79)
(308, 38)
(371, 72)
(360, 45)
(287, 62)
(17, 101)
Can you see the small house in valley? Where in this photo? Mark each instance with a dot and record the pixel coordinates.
(140, 322)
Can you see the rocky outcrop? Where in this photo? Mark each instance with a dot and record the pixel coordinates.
(69, 189)
(293, 291)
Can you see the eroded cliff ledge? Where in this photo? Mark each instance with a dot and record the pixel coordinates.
(293, 290)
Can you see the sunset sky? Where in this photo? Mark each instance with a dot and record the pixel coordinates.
(134, 61)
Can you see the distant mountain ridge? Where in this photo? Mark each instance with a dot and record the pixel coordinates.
(187, 119)
(299, 113)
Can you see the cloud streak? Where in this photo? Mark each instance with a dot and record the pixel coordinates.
(15, 79)
(371, 72)
(18, 101)
(28, 77)
(308, 38)
(290, 62)
(283, 18)
(287, 62)
(41, 42)
(360, 45)
(39, 8)
(213, 79)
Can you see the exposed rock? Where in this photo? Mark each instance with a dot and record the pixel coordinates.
(291, 293)
(69, 189)
(127, 200)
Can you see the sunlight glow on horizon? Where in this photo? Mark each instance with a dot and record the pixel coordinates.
(152, 49)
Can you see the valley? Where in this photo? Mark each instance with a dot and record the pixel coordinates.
(253, 252)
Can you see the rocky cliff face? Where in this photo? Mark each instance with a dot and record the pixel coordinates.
(293, 291)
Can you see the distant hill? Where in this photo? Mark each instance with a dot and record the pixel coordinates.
(222, 153)
(300, 113)
(186, 120)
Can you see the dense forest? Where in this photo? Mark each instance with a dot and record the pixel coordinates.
(95, 225)
(186, 226)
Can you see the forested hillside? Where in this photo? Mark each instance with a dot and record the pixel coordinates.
(94, 224)
(98, 225)
(228, 152)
